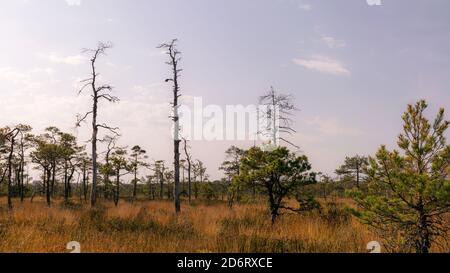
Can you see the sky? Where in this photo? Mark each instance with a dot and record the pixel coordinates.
(352, 67)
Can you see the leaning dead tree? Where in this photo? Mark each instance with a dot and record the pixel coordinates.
(276, 114)
(11, 137)
(189, 168)
(99, 92)
(174, 58)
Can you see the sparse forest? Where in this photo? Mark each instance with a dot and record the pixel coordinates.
(55, 188)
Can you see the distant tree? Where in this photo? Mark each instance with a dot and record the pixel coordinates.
(231, 168)
(68, 150)
(98, 93)
(174, 59)
(409, 192)
(277, 112)
(183, 176)
(83, 162)
(199, 170)
(189, 168)
(169, 178)
(45, 154)
(354, 168)
(51, 134)
(107, 169)
(160, 169)
(137, 160)
(9, 136)
(119, 163)
(151, 186)
(24, 145)
(279, 173)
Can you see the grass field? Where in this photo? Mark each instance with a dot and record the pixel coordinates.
(153, 227)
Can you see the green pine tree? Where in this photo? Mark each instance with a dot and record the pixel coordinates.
(409, 191)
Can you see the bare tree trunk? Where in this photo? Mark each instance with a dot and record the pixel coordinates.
(21, 170)
(161, 185)
(84, 184)
(96, 96)
(117, 191)
(174, 59)
(11, 152)
(177, 175)
(188, 159)
(52, 189)
(94, 145)
(48, 193)
(22, 177)
(69, 186)
(66, 188)
(135, 183)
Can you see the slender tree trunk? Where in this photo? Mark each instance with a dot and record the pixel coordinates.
(188, 159)
(189, 182)
(161, 184)
(69, 180)
(22, 170)
(117, 191)
(184, 180)
(174, 59)
(48, 193)
(177, 175)
(176, 141)
(94, 150)
(52, 189)
(22, 185)
(135, 183)
(84, 184)
(66, 188)
(11, 152)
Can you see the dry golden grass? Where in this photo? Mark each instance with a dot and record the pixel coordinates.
(154, 227)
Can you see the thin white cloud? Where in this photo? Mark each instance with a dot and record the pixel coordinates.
(27, 79)
(12, 75)
(323, 64)
(305, 7)
(69, 60)
(332, 42)
(49, 71)
(73, 2)
(332, 127)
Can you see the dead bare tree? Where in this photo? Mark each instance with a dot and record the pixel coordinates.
(174, 58)
(189, 168)
(11, 137)
(99, 92)
(277, 112)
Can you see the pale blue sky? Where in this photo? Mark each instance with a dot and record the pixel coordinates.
(352, 67)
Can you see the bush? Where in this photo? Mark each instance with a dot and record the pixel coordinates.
(336, 214)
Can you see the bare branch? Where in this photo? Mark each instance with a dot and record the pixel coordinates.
(82, 119)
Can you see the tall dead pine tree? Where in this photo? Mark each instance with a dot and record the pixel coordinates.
(99, 92)
(174, 58)
(277, 112)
